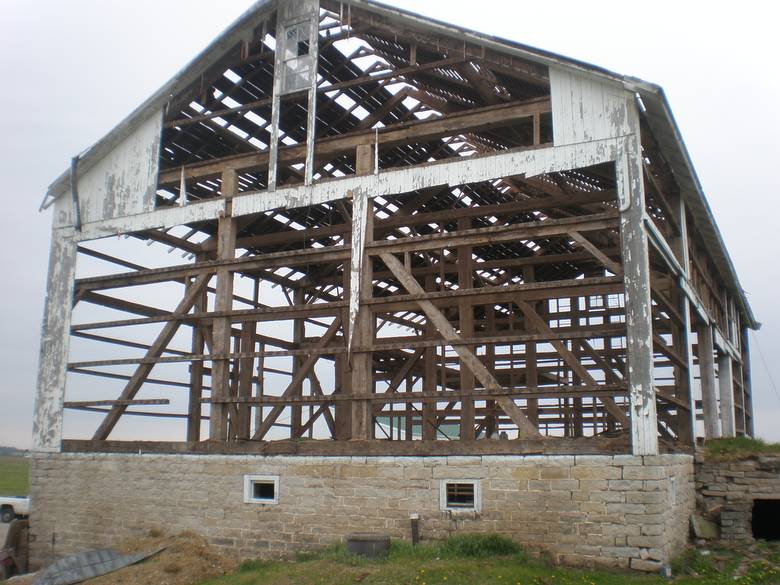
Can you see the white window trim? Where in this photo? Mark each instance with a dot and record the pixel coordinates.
(477, 495)
(250, 480)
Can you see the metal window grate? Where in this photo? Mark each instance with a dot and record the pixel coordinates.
(460, 495)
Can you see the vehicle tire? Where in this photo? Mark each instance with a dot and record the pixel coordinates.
(7, 515)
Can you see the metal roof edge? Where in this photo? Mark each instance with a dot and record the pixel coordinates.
(653, 91)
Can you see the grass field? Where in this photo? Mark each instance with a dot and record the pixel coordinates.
(14, 476)
(466, 561)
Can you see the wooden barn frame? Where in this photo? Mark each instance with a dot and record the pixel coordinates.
(480, 247)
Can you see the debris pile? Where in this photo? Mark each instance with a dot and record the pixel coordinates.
(185, 559)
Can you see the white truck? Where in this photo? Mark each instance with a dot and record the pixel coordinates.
(13, 507)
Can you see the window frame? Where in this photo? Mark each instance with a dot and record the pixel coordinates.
(444, 504)
(249, 483)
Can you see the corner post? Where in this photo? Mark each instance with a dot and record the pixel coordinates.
(636, 265)
(55, 339)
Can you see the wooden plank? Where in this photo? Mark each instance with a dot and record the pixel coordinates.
(598, 390)
(525, 428)
(223, 302)
(297, 378)
(395, 134)
(538, 446)
(496, 234)
(584, 243)
(533, 319)
(362, 321)
(466, 326)
(156, 349)
(144, 402)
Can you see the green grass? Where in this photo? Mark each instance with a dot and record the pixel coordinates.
(475, 560)
(14, 476)
(739, 448)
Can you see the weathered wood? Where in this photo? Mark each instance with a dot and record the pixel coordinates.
(614, 267)
(706, 352)
(362, 323)
(156, 349)
(571, 360)
(466, 326)
(144, 402)
(297, 378)
(445, 329)
(478, 119)
(537, 446)
(223, 302)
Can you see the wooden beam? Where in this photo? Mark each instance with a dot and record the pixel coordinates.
(389, 136)
(301, 373)
(223, 302)
(525, 428)
(533, 319)
(156, 349)
(584, 243)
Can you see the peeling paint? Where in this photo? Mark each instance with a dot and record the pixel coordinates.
(360, 207)
(124, 182)
(55, 336)
(586, 108)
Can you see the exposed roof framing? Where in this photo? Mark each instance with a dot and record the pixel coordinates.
(220, 104)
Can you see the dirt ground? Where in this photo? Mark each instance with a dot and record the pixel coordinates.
(3, 532)
(187, 560)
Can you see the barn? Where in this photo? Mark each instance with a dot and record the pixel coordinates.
(352, 267)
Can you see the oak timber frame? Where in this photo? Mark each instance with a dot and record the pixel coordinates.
(543, 263)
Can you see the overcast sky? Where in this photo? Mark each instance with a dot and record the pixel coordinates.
(72, 70)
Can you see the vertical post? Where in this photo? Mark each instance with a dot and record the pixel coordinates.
(259, 386)
(726, 385)
(466, 320)
(226, 250)
(245, 371)
(636, 265)
(299, 335)
(531, 371)
(194, 411)
(709, 396)
(362, 329)
(683, 255)
(747, 393)
(491, 426)
(429, 376)
(52, 364)
(311, 118)
(343, 375)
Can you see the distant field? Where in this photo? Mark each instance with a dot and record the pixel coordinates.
(14, 476)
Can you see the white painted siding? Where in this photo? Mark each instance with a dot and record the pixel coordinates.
(124, 182)
(585, 108)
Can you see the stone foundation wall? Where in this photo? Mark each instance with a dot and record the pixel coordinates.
(621, 511)
(725, 492)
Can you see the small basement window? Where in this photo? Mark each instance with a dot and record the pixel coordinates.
(261, 489)
(460, 494)
(766, 519)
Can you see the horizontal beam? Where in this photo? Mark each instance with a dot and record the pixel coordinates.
(416, 130)
(541, 446)
(381, 345)
(395, 221)
(528, 161)
(496, 234)
(422, 397)
(146, 402)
